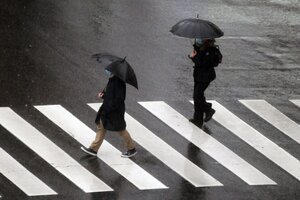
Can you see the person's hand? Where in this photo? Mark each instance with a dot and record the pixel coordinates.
(100, 95)
(193, 54)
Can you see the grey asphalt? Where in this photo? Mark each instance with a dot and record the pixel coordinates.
(45, 58)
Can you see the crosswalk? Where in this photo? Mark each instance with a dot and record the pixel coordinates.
(207, 143)
(109, 154)
(134, 173)
(20, 176)
(274, 117)
(167, 154)
(255, 139)
(50, 152)
(296, 102)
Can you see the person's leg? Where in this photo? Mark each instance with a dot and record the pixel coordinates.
(131, 151)
(127, 139)
(204, 104)
(100, 134)
(199, 99)
(94, 147)
(207, 107)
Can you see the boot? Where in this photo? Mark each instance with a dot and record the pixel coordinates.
(209, 114)
(197, 119)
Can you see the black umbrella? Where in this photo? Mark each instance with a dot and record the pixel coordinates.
(196, 28)
(118, 67)
(105, 59)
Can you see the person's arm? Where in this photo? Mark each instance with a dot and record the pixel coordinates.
(206, 60)
(195, 57)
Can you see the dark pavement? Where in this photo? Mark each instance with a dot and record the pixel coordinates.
(45, 58)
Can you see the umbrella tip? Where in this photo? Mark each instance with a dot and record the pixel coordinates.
(124, 58)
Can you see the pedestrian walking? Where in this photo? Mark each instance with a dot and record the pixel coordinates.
(110, 116)
(206, 56)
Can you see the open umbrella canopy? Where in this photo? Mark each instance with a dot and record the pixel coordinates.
(196, 28)
(118, 67)
(124, 71)
(105, 59)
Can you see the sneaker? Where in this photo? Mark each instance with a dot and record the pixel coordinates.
(197, 122)
(209, 115)
(89, 151)
(129, 153)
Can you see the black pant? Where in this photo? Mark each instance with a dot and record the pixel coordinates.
(200, 104)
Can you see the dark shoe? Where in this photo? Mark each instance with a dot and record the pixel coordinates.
(89, 151)
(209, 115)
(197, 122)
(129, 153)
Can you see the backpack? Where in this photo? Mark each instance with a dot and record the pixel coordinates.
(217, 56)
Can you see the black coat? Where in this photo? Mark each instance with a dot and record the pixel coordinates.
(112, 110)
(205, 61)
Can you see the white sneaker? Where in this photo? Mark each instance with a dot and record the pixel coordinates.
(89, 151)
(129, 153)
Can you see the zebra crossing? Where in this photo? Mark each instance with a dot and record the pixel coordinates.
(274, 117)
(29, 183)
(207, 143)
(109, 154)
(50, 152)
(167, 154)
(140, 178)
(296, 102)
(255, 139)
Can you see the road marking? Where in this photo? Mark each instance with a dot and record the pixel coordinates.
(296, 102)
(51, 153)
(164, 152)
(109, 154)
(21, 177)
(255, 139)
(274, 117)
(208, 144)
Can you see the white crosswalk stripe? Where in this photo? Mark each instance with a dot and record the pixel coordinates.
(109, 154)
(21, 177)
(72, 170)
(256, 140)
(166, 153)
(51, 153)
(208, 144)
(274, 117)
(296, 102)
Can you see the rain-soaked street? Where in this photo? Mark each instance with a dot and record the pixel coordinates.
(49, 83)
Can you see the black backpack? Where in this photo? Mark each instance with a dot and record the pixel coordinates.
(217, 56)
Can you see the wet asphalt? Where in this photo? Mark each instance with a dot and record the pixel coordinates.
(45, 58)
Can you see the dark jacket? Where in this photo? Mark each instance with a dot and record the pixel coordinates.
(205, 61)
(112, 110)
